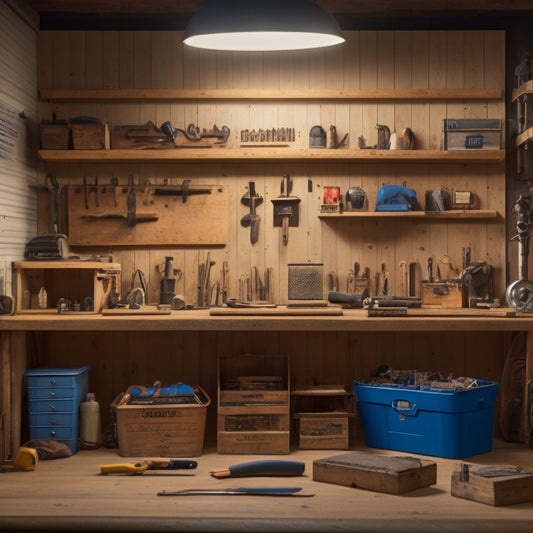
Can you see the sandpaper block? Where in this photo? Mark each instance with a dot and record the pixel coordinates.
(379, 473)
(493, 484)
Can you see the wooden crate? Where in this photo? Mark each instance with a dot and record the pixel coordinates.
(74, 280)
(253, 418)
(168, 430)
(324, 431)
(322, 415)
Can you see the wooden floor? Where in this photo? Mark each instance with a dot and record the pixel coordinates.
(70, 495)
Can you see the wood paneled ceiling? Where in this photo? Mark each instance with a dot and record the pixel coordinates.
(359, 7)
(351, 14)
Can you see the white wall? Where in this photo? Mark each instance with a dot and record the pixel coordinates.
(18, 95)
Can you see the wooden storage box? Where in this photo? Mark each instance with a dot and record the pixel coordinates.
(54, 135)
(167, 430)
(253, 404)
(493, 484)
(324, 431)
(88, 135)
(73, 280)
(472, 134)
(448, 293)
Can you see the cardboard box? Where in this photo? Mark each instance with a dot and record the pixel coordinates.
(472, 134)
(443, 423)
(166, 430)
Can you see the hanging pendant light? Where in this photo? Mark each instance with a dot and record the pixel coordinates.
(262, 25)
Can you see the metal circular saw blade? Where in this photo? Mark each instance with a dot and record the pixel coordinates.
(520, 295)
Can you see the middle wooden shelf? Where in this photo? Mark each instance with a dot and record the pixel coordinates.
(271, 154)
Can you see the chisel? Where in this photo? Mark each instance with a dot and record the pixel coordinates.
(262, 468)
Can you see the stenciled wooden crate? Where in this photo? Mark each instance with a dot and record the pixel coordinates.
(166, 430)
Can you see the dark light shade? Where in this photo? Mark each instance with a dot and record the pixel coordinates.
(262, 25)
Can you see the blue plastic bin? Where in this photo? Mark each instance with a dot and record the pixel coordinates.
(444, 423)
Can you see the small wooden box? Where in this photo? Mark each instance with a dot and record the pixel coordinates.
(54, 135)
(493, 484)
(448, 293)
(73, 280)
(324, 431)
(380, 473)
(168, 430)
(88, 136)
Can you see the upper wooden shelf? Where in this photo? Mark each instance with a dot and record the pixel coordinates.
(270, 154)
(125, 95)
(460, 214)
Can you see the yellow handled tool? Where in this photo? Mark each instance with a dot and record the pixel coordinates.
(140, 467)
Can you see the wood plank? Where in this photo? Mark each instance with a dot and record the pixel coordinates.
(64, 95)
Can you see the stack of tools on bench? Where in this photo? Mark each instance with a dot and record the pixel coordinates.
(423, 380)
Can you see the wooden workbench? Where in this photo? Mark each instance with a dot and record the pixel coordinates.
(67, 494)
(14, 330)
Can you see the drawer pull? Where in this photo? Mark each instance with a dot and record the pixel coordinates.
(52, 433)
(53, 421)
(53, 394)
(52, 381)
(52, 407)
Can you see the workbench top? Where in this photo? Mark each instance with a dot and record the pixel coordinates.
(201, 320)
(69, 494)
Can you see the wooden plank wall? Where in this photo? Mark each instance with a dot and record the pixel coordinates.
(368, 60)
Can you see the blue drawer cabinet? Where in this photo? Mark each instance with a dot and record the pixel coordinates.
(54, 398)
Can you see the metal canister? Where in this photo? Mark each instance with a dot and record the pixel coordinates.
(90, 430)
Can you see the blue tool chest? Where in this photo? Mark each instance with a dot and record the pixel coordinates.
(54, 398)
(444, 423)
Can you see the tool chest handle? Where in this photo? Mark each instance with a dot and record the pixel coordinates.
(404, 407)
